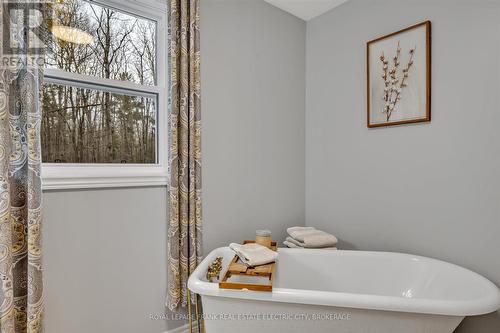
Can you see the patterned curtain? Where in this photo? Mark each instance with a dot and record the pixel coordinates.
(184, 232)
(21, 297)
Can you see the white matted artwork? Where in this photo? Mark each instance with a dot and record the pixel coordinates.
(399, 77)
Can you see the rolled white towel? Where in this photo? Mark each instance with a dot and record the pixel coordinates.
(297, 231)
(295, 242)
(312, 238)
(254, 254)
(292, 243)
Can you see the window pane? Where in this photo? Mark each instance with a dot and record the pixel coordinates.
(122, 47)
(93, 126)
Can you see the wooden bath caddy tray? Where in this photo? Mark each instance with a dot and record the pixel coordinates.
(238, 269)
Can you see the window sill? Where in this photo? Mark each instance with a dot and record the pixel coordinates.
(101, 182)
(59, 177)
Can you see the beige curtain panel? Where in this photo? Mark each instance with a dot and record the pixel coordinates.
(21, 288)
(185, 220)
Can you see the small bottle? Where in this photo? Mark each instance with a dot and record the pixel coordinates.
(263, 237)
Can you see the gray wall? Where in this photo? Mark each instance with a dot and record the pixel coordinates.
(104, 257)
(253, 87)
(430, 189)
(105, 250)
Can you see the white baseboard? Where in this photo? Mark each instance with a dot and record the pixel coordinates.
(184, 328)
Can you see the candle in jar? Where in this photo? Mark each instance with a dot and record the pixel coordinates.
(263, 237)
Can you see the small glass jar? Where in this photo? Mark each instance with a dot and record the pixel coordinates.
(263, 237)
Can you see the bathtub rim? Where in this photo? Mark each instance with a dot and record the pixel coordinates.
(480, 306)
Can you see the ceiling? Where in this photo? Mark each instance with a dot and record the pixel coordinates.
(306, 9)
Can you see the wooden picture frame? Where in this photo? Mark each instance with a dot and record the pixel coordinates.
(402, 96)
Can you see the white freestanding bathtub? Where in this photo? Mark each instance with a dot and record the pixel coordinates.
(348, 291)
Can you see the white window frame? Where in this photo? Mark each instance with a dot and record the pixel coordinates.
(101, 175)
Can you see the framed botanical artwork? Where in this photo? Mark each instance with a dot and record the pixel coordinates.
(399, 77)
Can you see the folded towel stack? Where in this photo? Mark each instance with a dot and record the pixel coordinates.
(311, 238)
(254, 254)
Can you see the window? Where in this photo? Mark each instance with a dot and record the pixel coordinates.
(104, 95)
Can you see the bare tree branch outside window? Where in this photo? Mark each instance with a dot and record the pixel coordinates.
(91, 125)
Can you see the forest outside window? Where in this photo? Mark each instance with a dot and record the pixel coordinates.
(104, 95)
